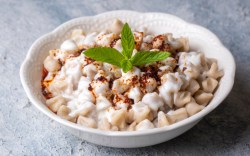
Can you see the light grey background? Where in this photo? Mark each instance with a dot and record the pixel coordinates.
(26, 131)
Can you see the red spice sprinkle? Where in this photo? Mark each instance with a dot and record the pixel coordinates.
(112, 44)
(90, 87)
(102, 79)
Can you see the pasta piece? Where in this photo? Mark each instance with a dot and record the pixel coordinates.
(150, 85)
(69, 46)
(154, 101)
(167, 97)
(104, 124)
(162, 120)
(192, 71)
(121, 101)
(164, 70)
(172, 82)
(89, 71)
(100, 87)
(193, 86)
(202, 97)
(117, 117)
(116, 27)
(209, 85)
(82, 108)
(51, 64)
(138, 36)
(115, 128)
(58, 86)
(182, 98)
(141, 111)
(169, 61)
(112, 70)
(55, 103)
(105, 39)
(129, 118)
(102, 103)
(119, 86)
(131, 127)
(177, 115)
(144, 125)
(63, 112)
(185, 44)
(135, 94)
(88, 122)
(214, 72)
(193, 108)
(185, 82)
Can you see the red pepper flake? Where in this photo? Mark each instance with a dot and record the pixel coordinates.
(112, 44)
(90, 87)
(102, 79)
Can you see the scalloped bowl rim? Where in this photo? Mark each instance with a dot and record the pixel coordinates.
(179, 124)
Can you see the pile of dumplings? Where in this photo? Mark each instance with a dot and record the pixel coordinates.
(100, 95)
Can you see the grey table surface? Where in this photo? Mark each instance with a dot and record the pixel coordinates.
(26, 131)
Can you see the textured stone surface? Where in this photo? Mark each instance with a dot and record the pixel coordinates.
(26, 131)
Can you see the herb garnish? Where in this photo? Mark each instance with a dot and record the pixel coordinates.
(125, 60)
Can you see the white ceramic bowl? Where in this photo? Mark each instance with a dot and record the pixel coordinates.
(200, 38)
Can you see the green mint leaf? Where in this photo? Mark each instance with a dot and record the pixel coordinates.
(146, 57)
(104, 54)
(126, 65)
(128, 42)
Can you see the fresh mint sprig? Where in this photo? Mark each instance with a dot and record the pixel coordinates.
(125, 60)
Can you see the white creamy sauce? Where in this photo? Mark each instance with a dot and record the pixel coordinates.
(87, 89)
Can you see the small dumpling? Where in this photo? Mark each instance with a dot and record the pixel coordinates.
(214, 72)
(100, 87)
(185, 44)
(154, 101)
(112, 70)
(168, 98)
(144, 125)
(89, 71)
(209, 85)
(162, 120)
(116, 27)
(55, 103)
(185, 82)
(88, 122)
(117, 117)
(131, 127)
(177, 115)
(69, 46)
(182, 98)
(102, 103)
(150, 85)
(119, 86)
(58, 86)
(164, 70)
(202, 97)
(138, 37)
(51, 64)
(140, 111)
(193, 86)
(193, 108)
(192, 71)
(64, 112)
(135, 94)
(105, 39)
(83, 108)
(104, 124)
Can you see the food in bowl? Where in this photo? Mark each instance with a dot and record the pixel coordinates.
(97, 80)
